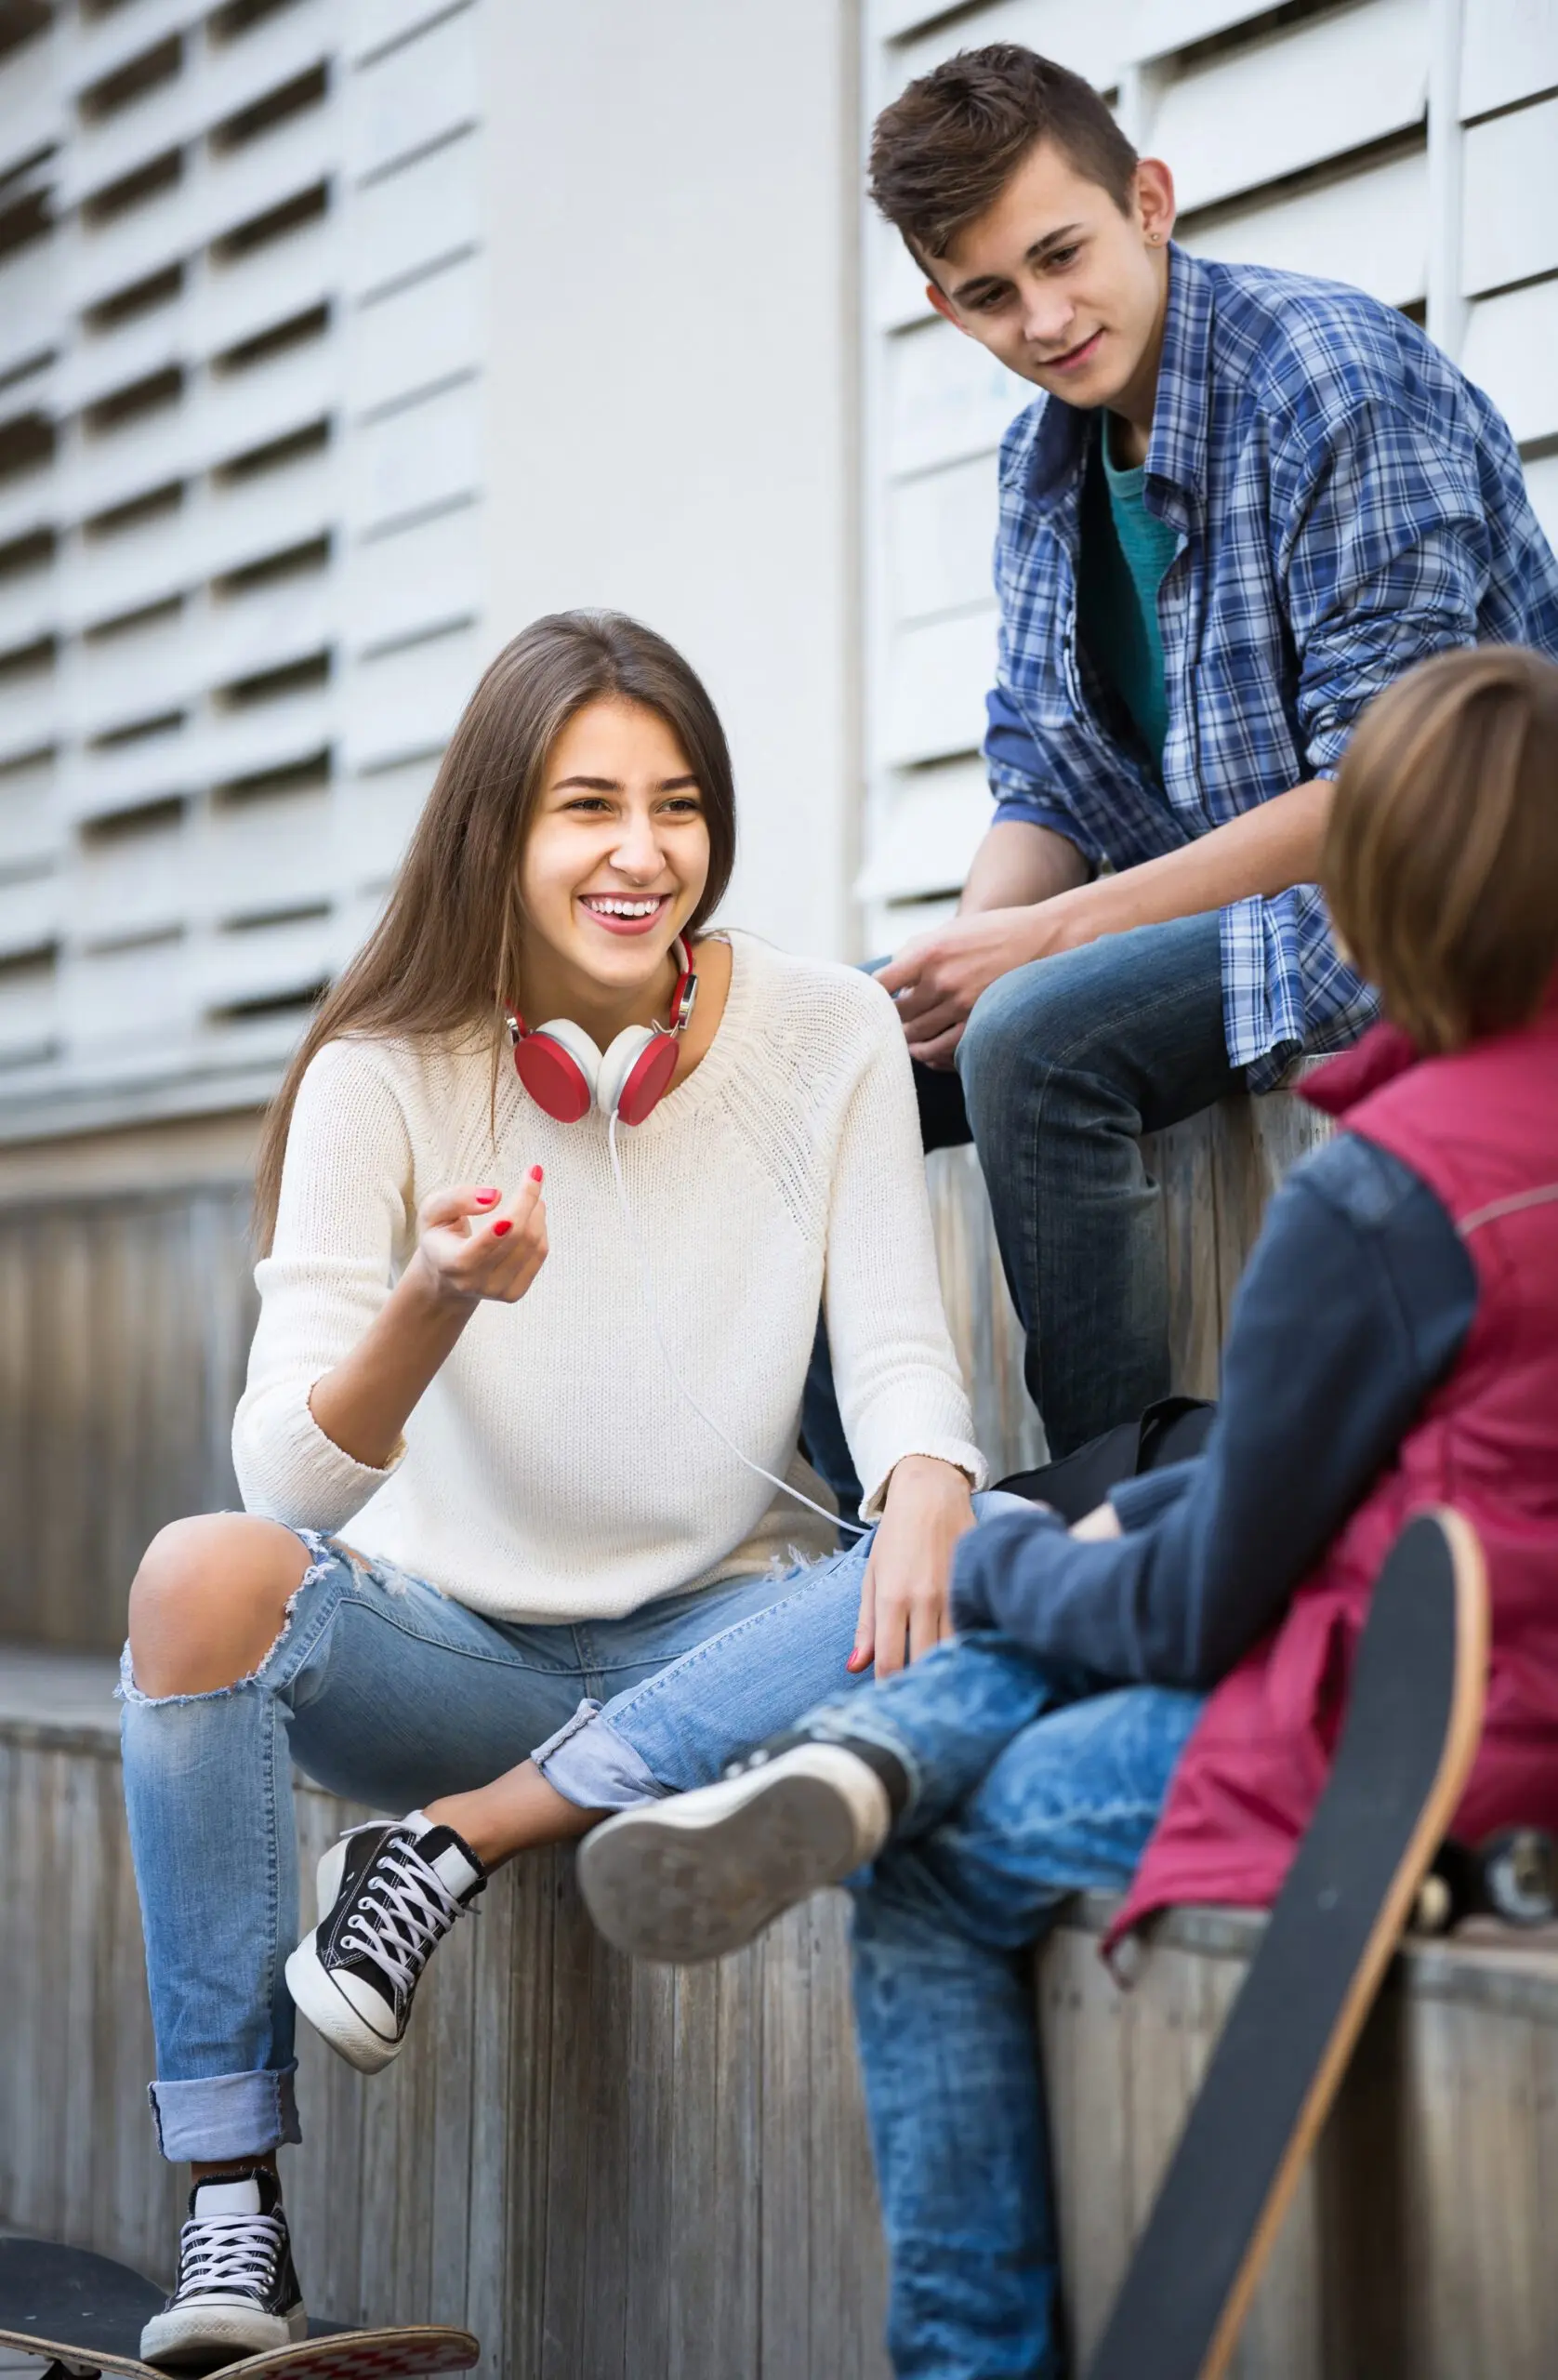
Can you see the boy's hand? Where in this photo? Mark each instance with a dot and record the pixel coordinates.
(473, 1246)
(908, 1576)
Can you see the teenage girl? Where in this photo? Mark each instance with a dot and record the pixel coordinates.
(549, 1198)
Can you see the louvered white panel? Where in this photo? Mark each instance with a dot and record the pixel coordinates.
(941, 535)
(1088, 40)
(421, 578)
(273, 285)
(134, 883)
(27, 304)
(938, 679)
(28, 825)
(131, 676)
(1510, 199)
(268, 851)
(1294, 100)
(29, 1015)
(1371, 229)
(1542, 480)
(411, 218)
(29, 607)
(32, 104)
(1511, 350)
(406, 704)
(261, 962)
(408, 100)
(935, 822)
(947, 397)
(1509, 48)
(377, 814)
(105, 42)
(372, 25)
(113, 1002)
(236, 74)
(416, 336)
(1155, 27)
(251, 518)
(30, 914)
(31, 717)
(410, 461)
(268, 626)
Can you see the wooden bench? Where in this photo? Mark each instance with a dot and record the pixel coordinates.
(620, 2174)
(633, 2174)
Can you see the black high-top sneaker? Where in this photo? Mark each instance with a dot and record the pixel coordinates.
(702, 1873)
(389, 1893)
(236, 2294)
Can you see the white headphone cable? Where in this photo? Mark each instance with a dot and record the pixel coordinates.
(835, 1520)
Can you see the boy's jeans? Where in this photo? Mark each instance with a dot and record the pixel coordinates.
(1027, 1783)
(387, 1692)
(1062, 1065)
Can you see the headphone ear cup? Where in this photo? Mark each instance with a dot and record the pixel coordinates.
(617, 1063)
(560, 1066)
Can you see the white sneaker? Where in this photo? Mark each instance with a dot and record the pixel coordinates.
(702, 1873)
(237, 2293)
(389, 1893)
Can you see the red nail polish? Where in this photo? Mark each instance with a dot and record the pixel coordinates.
(536, 1174)
(501, 1225)
(485, 1197)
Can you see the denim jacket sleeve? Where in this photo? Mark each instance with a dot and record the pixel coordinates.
(1356, 1302)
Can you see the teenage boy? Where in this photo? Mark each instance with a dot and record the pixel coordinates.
(1244, 503)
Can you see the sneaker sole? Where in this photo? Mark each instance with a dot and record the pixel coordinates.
(322, 2001)
(198, 2334)
(333, 2015)
(674, 1883)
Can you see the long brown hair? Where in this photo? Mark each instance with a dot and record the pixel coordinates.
(1441, 857)
(444, 957)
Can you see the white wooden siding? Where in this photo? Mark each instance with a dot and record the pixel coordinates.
(1330, 143)
(184, 850)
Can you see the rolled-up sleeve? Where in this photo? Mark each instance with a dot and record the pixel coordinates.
(1386, 559)
(1017, 781)
(346, 1194)
(900, 1391)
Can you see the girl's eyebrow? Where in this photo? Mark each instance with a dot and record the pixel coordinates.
(614, 784)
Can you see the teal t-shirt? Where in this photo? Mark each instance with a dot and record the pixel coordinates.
(1124, 553)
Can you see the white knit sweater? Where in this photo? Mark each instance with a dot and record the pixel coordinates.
(552, 1471)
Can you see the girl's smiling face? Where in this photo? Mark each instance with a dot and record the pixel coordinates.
(616, 861)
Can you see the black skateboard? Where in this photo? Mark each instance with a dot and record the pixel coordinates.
(82, 2315)
(1414, 1716)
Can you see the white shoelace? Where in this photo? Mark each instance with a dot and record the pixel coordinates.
(229, 2252)
(401, 1916)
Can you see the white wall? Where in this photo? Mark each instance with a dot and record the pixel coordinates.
(672, 218)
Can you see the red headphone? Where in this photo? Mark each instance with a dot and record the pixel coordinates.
(566, 1075)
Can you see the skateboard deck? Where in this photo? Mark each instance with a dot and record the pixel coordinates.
(1414, 1715)
(79, 2313)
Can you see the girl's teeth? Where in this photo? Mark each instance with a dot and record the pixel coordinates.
(627, 908)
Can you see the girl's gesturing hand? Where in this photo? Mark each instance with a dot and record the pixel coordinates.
(908, 1576)
(472, 1246)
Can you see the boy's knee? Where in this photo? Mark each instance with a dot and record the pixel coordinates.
(209, 1599)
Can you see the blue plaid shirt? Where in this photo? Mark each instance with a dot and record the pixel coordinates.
(1345, 503)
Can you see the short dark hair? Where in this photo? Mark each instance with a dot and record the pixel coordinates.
(943, 151)
(1441, 856)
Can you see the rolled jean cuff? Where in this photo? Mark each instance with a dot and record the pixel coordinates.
(226, 2115)
(594, 1767)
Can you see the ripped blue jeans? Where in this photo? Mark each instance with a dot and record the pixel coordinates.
(387, 1692)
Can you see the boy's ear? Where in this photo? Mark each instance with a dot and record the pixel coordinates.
(945, 307)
